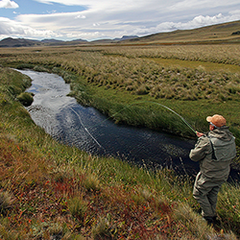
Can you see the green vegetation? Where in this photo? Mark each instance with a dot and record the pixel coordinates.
(25, 98)
(50, 190)
(122, 82)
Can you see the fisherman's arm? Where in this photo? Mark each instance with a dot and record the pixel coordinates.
(201, 149)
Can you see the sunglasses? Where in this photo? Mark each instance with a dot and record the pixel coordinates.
(213, 125)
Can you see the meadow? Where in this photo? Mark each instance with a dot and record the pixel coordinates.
(49, 190)
(195, 81)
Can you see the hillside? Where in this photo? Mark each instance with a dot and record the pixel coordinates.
(226, 32)
(20, 42)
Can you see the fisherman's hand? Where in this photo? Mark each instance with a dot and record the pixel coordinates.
(199, 134)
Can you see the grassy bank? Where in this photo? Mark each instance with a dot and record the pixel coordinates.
(122, 81)
(49, 190)
(130, 83)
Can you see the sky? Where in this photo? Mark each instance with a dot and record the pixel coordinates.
(109, 19)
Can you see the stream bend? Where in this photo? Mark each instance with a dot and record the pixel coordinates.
(87, 129)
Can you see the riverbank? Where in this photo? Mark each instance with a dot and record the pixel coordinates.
(89, 130)
(48, 189)
(128, 83)
(146, 111)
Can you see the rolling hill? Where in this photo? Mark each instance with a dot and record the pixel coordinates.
(226, 32)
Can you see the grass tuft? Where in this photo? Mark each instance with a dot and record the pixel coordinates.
(194, 222)
(78, 208)
(91, 182)
(102, 230)
(6, 200)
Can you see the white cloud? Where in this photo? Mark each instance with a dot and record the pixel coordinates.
(12, 28)
(199, 21)
(8, 4)
(202, 4)
(110, 5)
(80, 16)
(110, 19)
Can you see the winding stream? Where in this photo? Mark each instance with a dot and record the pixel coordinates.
(86, 128)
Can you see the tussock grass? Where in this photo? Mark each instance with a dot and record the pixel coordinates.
(91, 183)
(113, 79)
(78, 208)
(192, 221)
(6, 200)
(103, 230)
(227, 53)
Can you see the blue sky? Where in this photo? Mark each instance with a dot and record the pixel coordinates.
(34, 7)
(99, 19)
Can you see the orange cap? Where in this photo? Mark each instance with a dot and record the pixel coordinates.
(217, 120)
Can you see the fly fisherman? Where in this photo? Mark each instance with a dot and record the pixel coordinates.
(214, 152)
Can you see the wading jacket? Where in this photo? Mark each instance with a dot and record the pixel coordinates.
(214, 152)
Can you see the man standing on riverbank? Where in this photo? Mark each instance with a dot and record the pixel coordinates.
(214, 152)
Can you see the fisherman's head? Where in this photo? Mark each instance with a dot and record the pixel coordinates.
(216, 121)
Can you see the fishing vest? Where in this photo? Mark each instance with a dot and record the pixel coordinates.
(222, 150)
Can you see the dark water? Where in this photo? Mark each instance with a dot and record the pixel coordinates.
(84, 127)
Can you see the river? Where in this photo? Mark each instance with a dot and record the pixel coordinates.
(87, 129)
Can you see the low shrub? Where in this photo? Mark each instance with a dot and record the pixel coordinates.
(22, 66)
(25, 98)
(40, 69)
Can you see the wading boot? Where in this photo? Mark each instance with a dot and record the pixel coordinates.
(210, 220)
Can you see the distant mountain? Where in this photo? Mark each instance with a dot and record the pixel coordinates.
(103, 41)
(115, 40)
(19, 42)
(51, 41)
(125, 38)
(78, 40)
(219, 33)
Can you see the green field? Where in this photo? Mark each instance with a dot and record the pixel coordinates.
(48, 189)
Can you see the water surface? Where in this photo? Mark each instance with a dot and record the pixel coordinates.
(86, 128)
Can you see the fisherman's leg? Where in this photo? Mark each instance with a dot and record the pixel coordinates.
(212, 197)
(200, 193)
(201, 196)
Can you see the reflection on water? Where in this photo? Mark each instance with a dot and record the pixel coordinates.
(67, 121)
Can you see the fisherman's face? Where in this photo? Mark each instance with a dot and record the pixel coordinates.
(211, 127)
